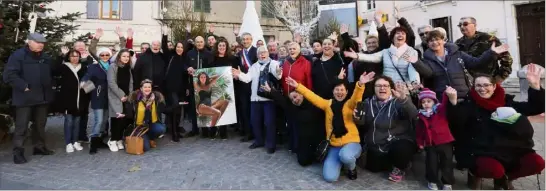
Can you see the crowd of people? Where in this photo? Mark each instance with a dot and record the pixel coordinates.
(381, 105)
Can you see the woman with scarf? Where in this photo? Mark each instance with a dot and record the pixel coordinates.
(494, 136)
(148, 106)
(262, 109)
(97, 74)
(71, 97)
(386, 120)
(120, 84)
(341, 130)
(176, 80)
(222, 57)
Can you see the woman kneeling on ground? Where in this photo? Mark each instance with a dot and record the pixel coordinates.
(495, 138)
(345, 143)
(148, 106)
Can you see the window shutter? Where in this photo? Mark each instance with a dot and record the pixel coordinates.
(127, 10)
(206, 6)
(92, 9)
(197, 5)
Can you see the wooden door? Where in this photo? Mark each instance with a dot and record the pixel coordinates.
(530, 19)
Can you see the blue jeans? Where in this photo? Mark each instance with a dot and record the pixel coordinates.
(71, 128)
(338, 156)
(155, 130)
(100, 121)
(263, 112)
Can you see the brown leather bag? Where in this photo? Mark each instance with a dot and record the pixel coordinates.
(134, 144)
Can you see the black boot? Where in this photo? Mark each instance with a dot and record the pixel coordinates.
(352, 174)
(19, 156)
(205, 132)
(93, 146)
(174, 133)
(503, 184)
(42, 151)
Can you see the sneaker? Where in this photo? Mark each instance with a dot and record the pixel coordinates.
(113, 146)
(447, 187)
(69, 148)
(161, 136)
(78, 146)
(433, 186)
(120, 145)
(396, 175)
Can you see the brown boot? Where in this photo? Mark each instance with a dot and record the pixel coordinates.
(473, 182)
(152, 144)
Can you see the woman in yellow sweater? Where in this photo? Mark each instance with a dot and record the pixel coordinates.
(148, 106)
(344, 143)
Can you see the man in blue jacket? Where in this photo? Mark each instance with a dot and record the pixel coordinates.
(28, 72)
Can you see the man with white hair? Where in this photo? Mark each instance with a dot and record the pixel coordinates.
(28, 72)
(150, 65)
(423, 31)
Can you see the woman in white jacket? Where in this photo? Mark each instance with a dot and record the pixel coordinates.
(262, 109)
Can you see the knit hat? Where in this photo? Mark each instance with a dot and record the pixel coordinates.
(505, 115)
(102, 50)
(427, 93)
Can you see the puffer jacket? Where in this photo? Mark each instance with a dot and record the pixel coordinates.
(299, 70)
(385, 124)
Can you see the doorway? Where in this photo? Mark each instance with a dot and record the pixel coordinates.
(530, 19)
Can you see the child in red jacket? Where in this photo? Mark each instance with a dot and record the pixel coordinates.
(433, 135)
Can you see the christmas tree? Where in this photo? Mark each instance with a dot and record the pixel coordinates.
(13, 15)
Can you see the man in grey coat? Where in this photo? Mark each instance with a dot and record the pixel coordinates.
(28, 72)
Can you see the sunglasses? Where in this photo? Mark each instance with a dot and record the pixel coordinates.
(423, 34)
(104, 55)
(464, 24)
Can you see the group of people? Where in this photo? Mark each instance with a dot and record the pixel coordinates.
(383, 104)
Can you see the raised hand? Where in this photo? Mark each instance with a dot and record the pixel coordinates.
(396, 14)
(98, 33)
(344, 28)
(534, 73)
(297, 37)
(333, 36)
(130, 33)
(236, 31)
(499, 49)
(211, 28)
(341, 74)
(416, 85)
(400, 91)
(118, 31)
(351, 54)
(291, 82)
(451, 95)
(411, 59)
(365, 78)
(378, 18)
(164, 30)
(279, 70)
(64, 50)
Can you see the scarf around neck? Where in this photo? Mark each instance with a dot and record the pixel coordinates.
(338, 125)
(104, 64)
(396, 53)
(147, 100)
(262, 62)
(492, 103)
(429, 113)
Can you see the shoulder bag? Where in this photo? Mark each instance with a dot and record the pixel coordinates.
(323, 147)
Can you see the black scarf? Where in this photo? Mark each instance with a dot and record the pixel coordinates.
(338, 124)
(124, 78)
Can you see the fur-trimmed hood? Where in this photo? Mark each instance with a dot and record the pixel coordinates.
(158, 96)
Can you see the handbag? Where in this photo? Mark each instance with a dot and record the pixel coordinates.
(134, 143)
(266, 77)
(322, 148)
(88, 86)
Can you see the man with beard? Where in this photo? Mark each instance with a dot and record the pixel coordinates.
(248, 56)
(475, 43)
(197, 58)
(150, 65)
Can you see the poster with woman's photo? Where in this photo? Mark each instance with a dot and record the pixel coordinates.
(214, 97)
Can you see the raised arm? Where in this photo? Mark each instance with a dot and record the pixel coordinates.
(316, 100)
(374, 58)
(486, 57)
(95, 41)
(129, 44)
(535, 103)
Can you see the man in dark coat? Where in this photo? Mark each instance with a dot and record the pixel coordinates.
(150, 65)
(28, 72)
(247, 56)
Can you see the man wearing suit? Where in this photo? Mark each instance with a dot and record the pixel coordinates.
(248, 56)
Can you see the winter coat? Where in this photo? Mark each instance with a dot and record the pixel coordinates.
(324, 74)
(198, 59)
(386, 124)
(480, 43)
(478, 135)
(176, 78)
(407, 70)
(99, 96)
(150, 66)
(25, 69)
(352, 135)
(434, 130)
(451, 73)
(115, 93)
(71, 98)
(135, 100)
(299, 70)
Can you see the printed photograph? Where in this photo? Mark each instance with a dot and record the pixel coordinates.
(214, 97)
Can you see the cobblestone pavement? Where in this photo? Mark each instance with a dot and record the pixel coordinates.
(197, 163)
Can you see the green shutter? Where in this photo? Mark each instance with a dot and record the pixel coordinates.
(206, 6)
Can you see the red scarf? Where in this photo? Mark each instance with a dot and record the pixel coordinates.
(491, 104)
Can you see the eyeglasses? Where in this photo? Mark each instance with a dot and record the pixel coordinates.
(483, 85)
(382, 86)
(104, 55)
(464, 24)
(423, 34)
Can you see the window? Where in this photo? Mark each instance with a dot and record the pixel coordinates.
(266, 13)
(201, 6)
(110, 9)
(444, 22)
(371, 4)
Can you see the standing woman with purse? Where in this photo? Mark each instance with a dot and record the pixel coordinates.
(95, 82)
(120, 84)
(342, 146)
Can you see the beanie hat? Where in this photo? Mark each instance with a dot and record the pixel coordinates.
(427, 93)
(102, 50)
(505, 115)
